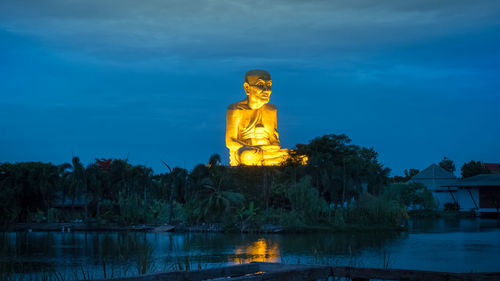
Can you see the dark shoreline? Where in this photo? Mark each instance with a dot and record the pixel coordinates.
(79, 227)
(181, 228)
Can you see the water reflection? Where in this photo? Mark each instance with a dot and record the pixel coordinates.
(443, 245)
(259, 251)
(451, 225)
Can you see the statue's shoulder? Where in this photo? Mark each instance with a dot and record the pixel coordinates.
(241, 105)
(270, 106)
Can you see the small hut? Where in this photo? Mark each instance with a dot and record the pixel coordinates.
(438, 181)
(480, 193)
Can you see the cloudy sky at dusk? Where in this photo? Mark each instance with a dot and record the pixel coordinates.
(151, 80)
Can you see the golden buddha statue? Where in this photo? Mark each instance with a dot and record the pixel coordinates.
(251, 132)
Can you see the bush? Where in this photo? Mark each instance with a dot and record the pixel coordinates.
(339, 217)
(108, 213)
(130, 209)
(53, 215)
(371, 210)
(158, 212)
(411, 194)
(190, 211)
(292, 219)
(9, 213)
(247, 217)
(38, 216)
(305, 200)
(451, 206)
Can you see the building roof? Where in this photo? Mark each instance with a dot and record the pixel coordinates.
(482, 180)
(434, 177)
(433, 172)
(494, 168)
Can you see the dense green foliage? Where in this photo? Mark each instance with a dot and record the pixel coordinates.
(473, 168)
(342, 185)
(414, 195)
(447, 164)
(408, 175)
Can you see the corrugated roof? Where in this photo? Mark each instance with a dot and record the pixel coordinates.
(479, 180)
(433, 172)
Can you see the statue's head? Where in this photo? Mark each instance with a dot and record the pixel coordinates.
(258, 87)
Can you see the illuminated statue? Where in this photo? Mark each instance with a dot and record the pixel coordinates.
(251, 132)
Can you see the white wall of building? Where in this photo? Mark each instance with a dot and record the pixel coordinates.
(443, 197)
(465, 200)
(462, 197)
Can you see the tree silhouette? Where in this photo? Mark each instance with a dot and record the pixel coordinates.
(447, 164)
(473, 168)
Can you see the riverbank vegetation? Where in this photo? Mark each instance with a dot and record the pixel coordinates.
(343, 186)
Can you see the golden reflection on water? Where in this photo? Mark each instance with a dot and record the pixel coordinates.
(260, 251)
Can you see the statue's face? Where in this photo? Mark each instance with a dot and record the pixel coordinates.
(258, 89)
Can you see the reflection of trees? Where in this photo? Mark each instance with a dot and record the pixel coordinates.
(132, 253)
(21, 252)
(99, 255)
(217, 248)
(327, 248)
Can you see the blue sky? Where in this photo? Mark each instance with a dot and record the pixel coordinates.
(151, 80)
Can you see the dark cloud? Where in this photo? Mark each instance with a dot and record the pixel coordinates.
(414, 79)
(259, 29)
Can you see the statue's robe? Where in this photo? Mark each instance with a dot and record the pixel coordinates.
(242, 125)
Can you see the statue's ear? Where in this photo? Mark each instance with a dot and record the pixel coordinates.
(246, 86)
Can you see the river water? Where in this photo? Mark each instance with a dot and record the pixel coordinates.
(454, 245)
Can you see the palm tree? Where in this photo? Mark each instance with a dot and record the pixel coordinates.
(214, 197)
(97, 181)
(215, 200)
(43, 179)
(10, 209)
(195, 181)
(214, 160)
(175, 181)
(78, 183)
(64, 179)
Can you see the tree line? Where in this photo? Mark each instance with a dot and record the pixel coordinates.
(468, 169)
(342, 185)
